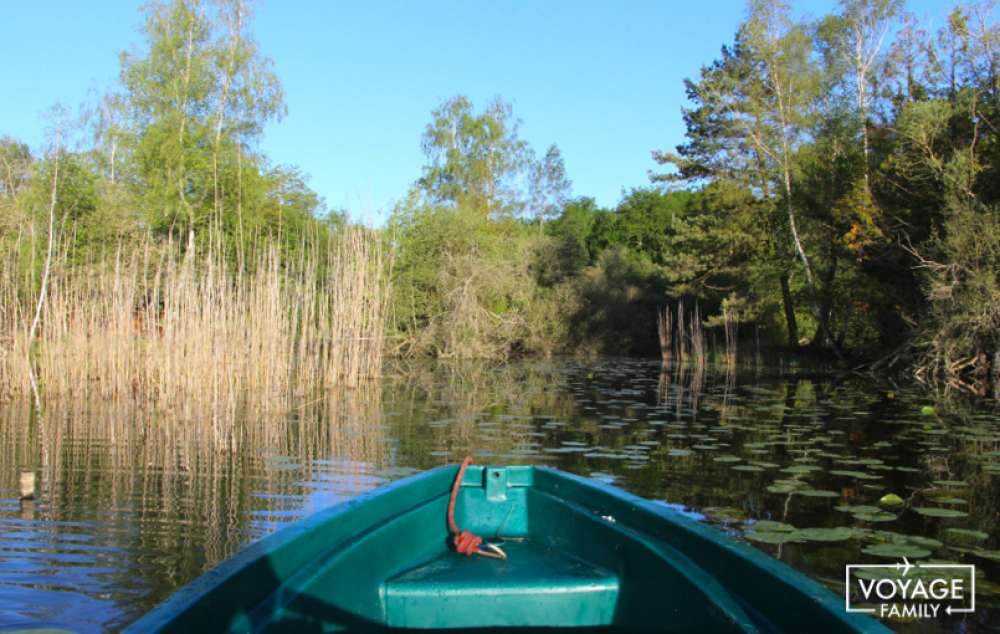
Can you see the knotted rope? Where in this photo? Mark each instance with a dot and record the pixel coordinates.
(466, 542)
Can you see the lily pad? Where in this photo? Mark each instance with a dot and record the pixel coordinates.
(727, 458)
(877, 516)
(932, 511)
(786, 486)
(992, 555)
(951, 484)
(837, 534)
(893, 537)
(801, 468)
(950, 500)
(920, 540)
(860, 475)
(816, 493)
(772, 526)
(896, 551)
(967, 534)
(772, 537)
(857, 508)
(725, 513)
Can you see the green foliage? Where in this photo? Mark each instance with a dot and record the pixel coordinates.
(549, 186)
(478, 161)
(195, 104)
(470, 278)
(462, 286)
(645, 221)
(619, 297)
(15, 168)
(573, 234)
(474, 160)
(874, 161)
(173, 158)
(962, 283)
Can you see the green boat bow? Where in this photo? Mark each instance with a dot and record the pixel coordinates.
(579, 554)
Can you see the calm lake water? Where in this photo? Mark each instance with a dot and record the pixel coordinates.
(133, 504)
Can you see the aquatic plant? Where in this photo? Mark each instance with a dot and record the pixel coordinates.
(176, 325)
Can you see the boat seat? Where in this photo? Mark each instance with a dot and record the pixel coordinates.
(455, 591)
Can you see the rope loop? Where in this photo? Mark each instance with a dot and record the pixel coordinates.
(466, 542)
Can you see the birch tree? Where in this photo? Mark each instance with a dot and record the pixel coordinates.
(860, 33)
(199, 95)
(474, 160)
(549, 186)
(784, 50)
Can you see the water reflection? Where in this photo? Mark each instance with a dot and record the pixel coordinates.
(133, 504)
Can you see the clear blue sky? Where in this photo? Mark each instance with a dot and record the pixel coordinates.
(601, 79)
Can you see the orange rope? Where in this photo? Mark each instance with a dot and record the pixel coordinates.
(466, 542)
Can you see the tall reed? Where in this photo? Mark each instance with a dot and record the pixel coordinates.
(665, 331)
(682, 338)
(697, 338)
(731, 322)
(184, 329)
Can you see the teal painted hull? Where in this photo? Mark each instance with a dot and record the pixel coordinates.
(581, 555)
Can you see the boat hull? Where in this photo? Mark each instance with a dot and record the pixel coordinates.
(580, 555)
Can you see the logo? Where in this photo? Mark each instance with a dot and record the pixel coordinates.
(910, 591)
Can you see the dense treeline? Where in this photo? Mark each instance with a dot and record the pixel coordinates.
(866, 148)
(836, 192)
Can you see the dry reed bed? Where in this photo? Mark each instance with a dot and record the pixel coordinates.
(187, 333)
(682, 335)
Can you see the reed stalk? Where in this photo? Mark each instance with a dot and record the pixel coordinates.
(682, 336)
(184, 329)
(665, 330)
(697, 338)
(730, 322)
(684, 341)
